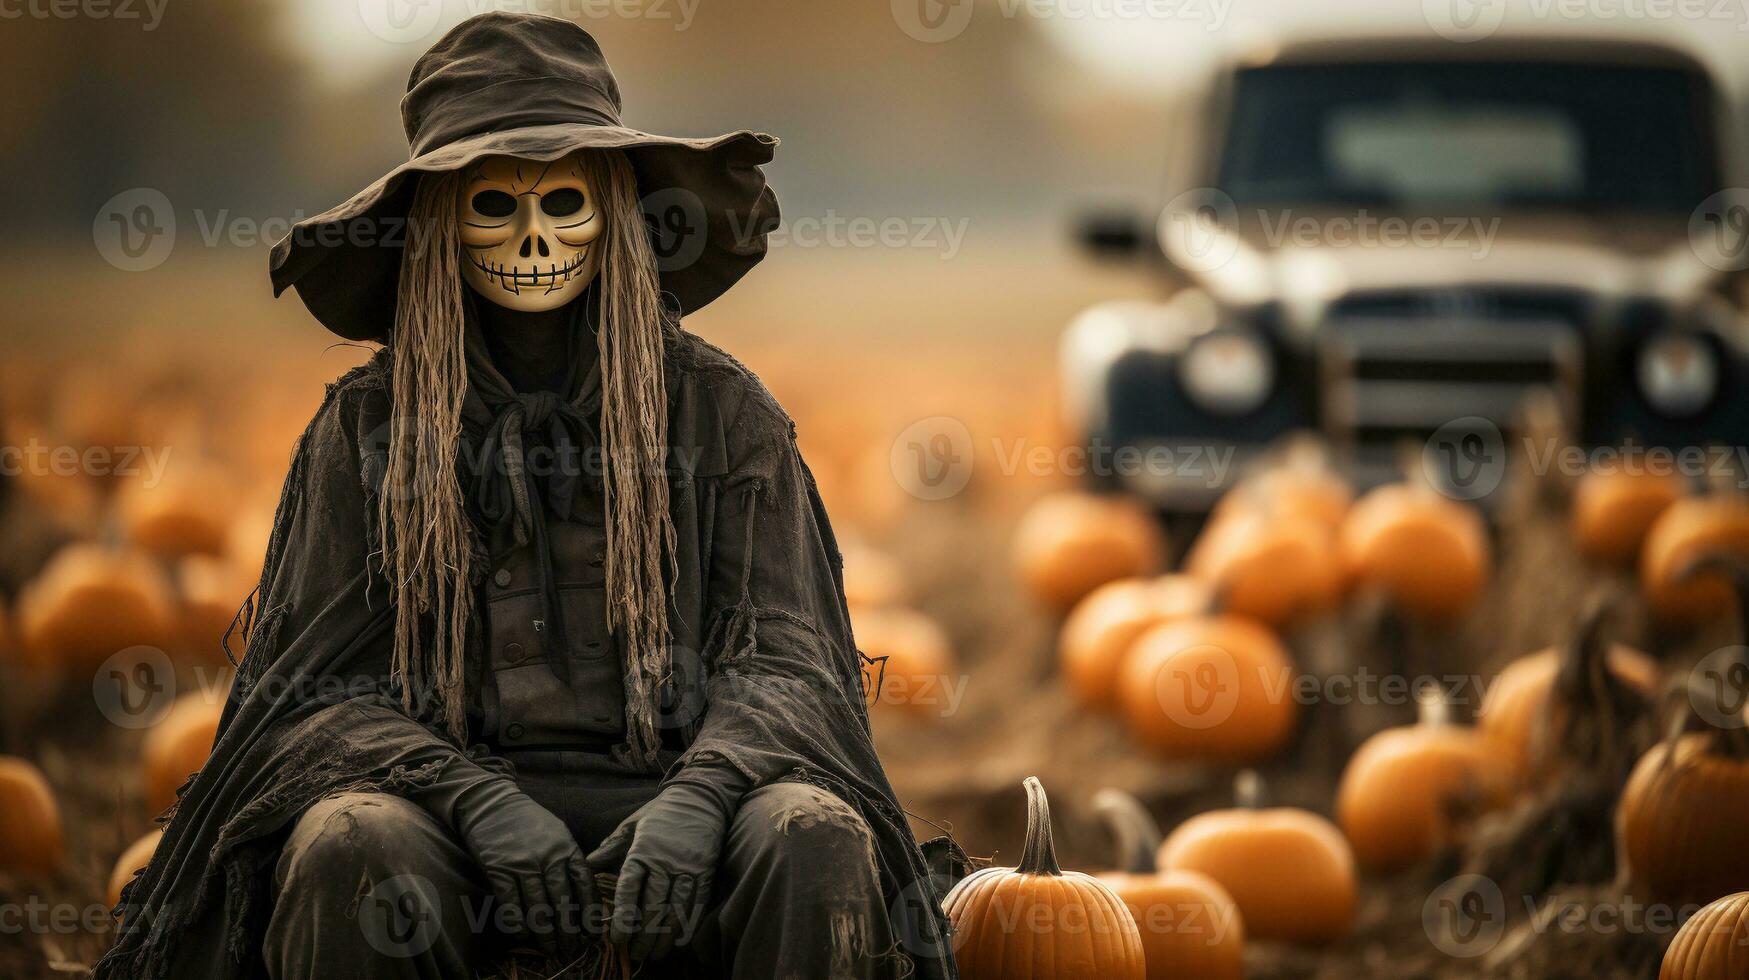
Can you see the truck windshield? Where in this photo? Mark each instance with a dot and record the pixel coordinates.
(1469, 135)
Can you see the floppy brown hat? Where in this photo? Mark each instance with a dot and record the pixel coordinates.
(538, 87)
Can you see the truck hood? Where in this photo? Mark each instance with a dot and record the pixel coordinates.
(1306, 260)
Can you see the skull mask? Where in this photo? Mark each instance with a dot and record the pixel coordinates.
(529, 230)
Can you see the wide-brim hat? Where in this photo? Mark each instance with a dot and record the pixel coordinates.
(537, 87)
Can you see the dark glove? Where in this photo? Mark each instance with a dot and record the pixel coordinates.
(533, 864)
(667, 854)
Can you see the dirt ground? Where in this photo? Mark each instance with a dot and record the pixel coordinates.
(963, 772)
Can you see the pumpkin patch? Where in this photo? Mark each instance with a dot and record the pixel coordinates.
(178, 746)
(1426, 552)
(1713, 945)
(1210, 687)
(1069, 544)
(1684, 532)
(1290, 871)
(1099, 634)
(137, 856)
(31, 836)
(1190, 926)
(90, 602)
(1406, 792)
(1036, 921)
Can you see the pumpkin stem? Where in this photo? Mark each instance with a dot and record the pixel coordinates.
(1433, 708)
(1132, 827)
(1586, 653)
(1726, 478)
(1220, 594)
(1305, 453)
(1040, 855)
(1248, 790)
(1392, 633)
(1734, 741)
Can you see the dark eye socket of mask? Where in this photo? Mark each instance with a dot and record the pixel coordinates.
(494, 204)
(564, 201)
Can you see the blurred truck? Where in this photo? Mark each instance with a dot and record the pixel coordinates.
(1403, 244)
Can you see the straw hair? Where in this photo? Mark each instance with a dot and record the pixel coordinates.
(427, 542)
(634, 431)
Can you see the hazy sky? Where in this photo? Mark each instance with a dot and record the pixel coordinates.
(1141, 43)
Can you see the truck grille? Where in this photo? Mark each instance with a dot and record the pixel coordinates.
(1391, 380)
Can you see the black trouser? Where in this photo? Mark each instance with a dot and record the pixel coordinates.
(372, 886)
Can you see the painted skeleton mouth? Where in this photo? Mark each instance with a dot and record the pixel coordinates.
(515, 280)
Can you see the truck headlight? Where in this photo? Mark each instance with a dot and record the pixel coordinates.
(1228, 371)
(1678, 374)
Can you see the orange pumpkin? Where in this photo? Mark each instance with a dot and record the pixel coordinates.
(1713, 945)
(1098, 634)
(1614, 510)
(1690, 528)
(1269, 567)
(1681, 819)
(1068, 544)
(1039, 922)
(178, 746)
(212, 591)
(1290, 871)
(31, 840)
(1189, 925)
(1427, 552)
(90, 602)
(1304, 487)
(1210, 687)
(137, 856)
(1531, 701)
(915, 665)
(72, 502)
(187, 511)
(1399, 798)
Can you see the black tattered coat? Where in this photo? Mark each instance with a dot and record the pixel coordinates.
(767, 678)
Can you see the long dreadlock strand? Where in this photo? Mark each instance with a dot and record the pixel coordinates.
(634, 423)
(427, 543)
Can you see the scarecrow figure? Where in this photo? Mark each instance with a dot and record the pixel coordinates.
(550, 594)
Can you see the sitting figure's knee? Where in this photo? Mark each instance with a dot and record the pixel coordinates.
(344, 838)
(813, 831)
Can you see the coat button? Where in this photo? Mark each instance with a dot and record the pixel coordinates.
(514, 731)
(513, 652)
(501, 578)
